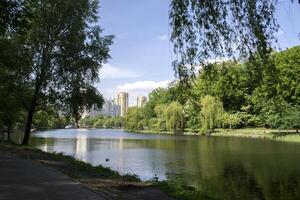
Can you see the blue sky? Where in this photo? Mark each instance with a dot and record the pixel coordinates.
(142, 54)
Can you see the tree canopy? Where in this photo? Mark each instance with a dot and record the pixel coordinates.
(59, 48)
(206, 31)
(227, 95)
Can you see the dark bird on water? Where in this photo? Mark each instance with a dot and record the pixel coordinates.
(106, 159)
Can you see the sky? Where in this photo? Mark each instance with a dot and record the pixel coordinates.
(142, 53)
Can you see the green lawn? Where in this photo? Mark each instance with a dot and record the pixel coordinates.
(274, 134)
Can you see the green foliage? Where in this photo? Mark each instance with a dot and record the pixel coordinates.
(160, 117)
(245, 91)
(52, 51)
(203, 30)
(292, 118)
(277, 113)
(14, 94)
(181, 191)
(211, 113)
(174, 117)
(101, 122)
(227, 81)
(231, 120)
(192, 110)
(168, 117)
(135, 119)
(157, 97)
(288, 66)
(49, 119)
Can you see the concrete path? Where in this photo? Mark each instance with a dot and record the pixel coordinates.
(22, 179)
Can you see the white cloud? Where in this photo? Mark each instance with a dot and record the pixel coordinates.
(109, 71)
(163, 37)
(143, 85)
(141, 88)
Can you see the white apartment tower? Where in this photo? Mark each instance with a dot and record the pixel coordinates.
(141, 101)
(122, 101)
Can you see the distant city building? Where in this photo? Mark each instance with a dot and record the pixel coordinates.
(109, 108)
(141, 101)
(122, 101)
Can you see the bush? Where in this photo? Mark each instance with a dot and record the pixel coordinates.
(98, 123)
(232, 120)
(279, 114)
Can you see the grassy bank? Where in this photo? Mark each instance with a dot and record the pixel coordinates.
(272, 134)
(263, 133)
(104, 181)
(67, 164)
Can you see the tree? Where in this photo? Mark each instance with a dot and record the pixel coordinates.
(192, 110)
(10, 103)
(160, 117)
(174, 117)
(277, 113)
(134, 119)
(49, 118)
(55, 25)
(82, 99)
(292, 118)
(203, 31)
(84, 50)
(211, 113)
(12, 24)
(227, 81)
(13, 17)
(157, 96)
(288, 66)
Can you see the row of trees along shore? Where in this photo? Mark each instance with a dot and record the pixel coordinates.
(51, 52)
(50, 55)
(227, 95)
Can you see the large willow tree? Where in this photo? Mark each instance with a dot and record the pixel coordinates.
(174, 117)
(206, 30)
(211, 113)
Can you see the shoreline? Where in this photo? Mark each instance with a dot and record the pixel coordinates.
(251, 133)
(103, 180)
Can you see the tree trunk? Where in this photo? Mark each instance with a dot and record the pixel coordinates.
(9, 126)
(76, 122)
(29, 119)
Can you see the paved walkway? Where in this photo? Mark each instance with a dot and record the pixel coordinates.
(22, 179)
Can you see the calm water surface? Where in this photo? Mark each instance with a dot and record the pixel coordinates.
(223, 167)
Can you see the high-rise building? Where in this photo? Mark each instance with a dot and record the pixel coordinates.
(109, 108)
(122, 101)
(141, 101)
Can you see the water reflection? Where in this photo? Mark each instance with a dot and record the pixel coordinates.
(225, 168)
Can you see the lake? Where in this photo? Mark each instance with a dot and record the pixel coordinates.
(223, 167)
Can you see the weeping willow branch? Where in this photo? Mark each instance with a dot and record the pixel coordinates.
(204, 31)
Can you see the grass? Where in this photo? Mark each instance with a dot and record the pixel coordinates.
(263, 133)
(68, 164)
(180, 191)
(101, 178)
(272, 134)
